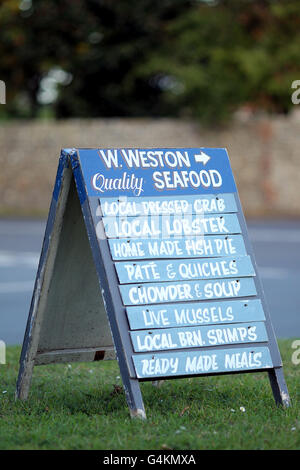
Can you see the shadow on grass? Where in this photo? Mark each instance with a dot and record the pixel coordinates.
(192, 395)
(97, 390)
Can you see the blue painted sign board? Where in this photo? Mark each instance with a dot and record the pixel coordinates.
(166, 205)
(188, 247)
(210, 361)
(156, 293)
(184, 270)
(198, 336)
(194, 313)
(170, 226)
(156, 172)
(176, 270)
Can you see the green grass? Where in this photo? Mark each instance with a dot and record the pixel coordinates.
(83, 407)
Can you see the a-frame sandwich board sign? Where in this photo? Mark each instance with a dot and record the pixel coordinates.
(146, 255)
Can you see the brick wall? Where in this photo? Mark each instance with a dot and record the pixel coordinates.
(264, 154)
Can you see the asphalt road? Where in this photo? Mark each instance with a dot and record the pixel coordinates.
(276, 245)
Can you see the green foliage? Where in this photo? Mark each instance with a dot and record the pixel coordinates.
(84, 407)
(98, 42)
(232, 54)
(203, 58)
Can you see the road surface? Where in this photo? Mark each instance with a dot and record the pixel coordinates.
(276, 245)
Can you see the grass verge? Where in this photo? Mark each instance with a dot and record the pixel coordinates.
(83, 406)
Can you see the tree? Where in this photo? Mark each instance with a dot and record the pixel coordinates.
(97, 42)
(202, 58)
(224, 54)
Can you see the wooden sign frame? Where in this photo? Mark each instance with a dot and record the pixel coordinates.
(77, 311)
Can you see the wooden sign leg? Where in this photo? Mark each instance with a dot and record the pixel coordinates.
(134, 398)
(279, 388)
(37, 308)
(43, 279)
(115, 309)
(24, 380)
